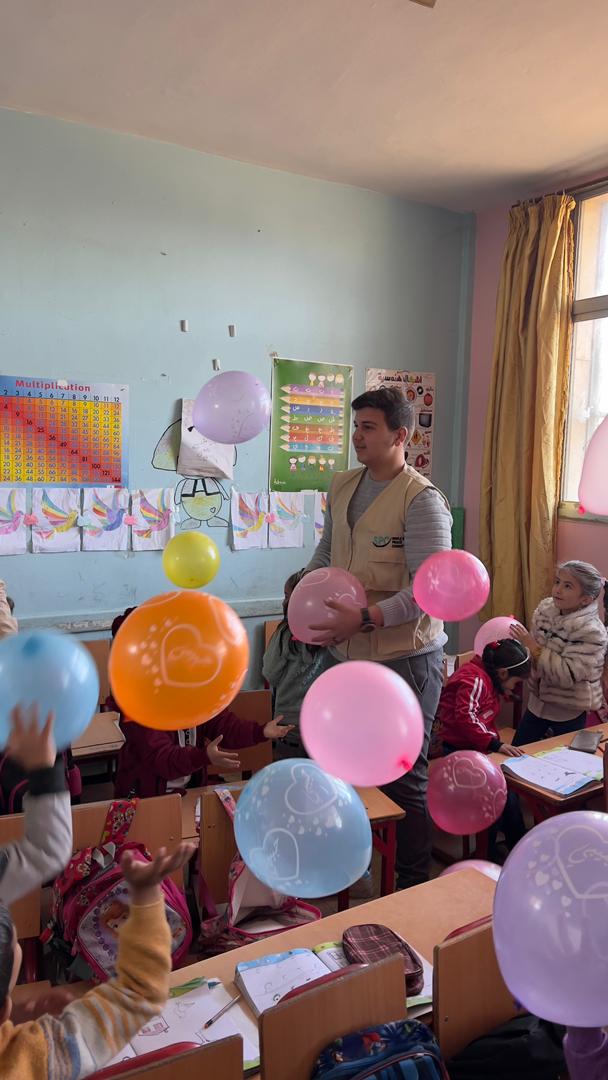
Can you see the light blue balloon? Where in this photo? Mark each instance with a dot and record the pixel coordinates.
(53, 671)
(301, 831)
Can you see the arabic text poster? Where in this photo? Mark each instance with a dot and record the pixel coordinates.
(419, 388)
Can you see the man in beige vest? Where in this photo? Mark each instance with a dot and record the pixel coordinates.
(382, 521)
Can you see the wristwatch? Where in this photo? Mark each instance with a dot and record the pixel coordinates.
(367, 624)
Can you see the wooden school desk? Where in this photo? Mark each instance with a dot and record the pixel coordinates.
(546, 803)
(102, 739)
(423, 915)
(217, 845)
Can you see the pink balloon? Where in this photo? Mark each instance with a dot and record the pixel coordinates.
(490, 869)
(467, 792)
(593, 489)
(307, 604)
(361, 721)
(550, 927)
(451, 585)
(233, 407)
(496, 629)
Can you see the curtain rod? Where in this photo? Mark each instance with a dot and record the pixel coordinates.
(575, 190)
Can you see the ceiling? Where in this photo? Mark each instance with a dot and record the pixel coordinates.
(465, 105)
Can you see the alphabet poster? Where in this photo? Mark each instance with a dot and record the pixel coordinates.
(310, 424)
(419, 389)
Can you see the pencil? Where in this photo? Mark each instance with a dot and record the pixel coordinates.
(227, 1006)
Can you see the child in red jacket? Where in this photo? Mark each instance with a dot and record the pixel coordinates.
(153, 762)
(468, 710)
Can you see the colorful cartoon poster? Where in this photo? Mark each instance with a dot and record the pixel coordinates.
(419, 388)
(153, 518)
(105, 519)
(286, 520)
(13, 521)
(55, 432)
(310, 436)
(249, 513)
(55, 517)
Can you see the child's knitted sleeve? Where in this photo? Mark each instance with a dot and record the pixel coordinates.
(46, 846)
(91, 1031)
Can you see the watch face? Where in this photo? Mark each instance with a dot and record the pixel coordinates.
(368, 627)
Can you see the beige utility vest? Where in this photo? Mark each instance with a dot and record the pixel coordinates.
(374, 552)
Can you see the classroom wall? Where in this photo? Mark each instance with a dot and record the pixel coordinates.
(108, 241)
(576, 539)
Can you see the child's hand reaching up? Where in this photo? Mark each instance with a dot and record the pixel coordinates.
(144, 878)
(29, 745)
(274, 729)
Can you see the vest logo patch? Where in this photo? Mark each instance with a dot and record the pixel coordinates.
(398, 542)
(381, 541)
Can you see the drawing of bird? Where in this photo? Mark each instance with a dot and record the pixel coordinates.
(107, 518)
(10, 519)
(61, 521)
(287, 516)
(323, 510)
(156, 517)
(251, 519)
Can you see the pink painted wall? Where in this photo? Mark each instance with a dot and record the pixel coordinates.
(575, 539)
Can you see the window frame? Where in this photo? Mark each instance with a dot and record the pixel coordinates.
(586, 309)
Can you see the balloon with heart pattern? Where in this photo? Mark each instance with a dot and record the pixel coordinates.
(550, 920)
(301, 831)
(467, 792)
(178, 660)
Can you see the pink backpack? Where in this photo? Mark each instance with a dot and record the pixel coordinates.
(249, 902)
(91, 900)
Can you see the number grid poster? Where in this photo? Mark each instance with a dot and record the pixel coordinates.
(310, 424)
(60, 433)
(419, 388)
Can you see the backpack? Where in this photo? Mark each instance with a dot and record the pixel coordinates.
(91, 901)
(248, 900)
(525, 1047)
(404, 1050)
(14, 782)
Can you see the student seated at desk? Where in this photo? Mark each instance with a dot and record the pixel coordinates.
(90, 1031)
(153, 762)
(468, 711)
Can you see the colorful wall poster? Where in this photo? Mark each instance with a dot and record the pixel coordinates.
(319, 513)
(419, 388)
(286, 519)
(310, 436)
(13, 522)
(249, 515)
(54, 432)
(152, 518)
(55, 520)
(105, 519)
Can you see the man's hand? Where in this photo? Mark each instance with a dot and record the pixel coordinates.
(274, 729)
(144, 878)
(510, 751)
(224, 759)
(341, 624)
(28, 745)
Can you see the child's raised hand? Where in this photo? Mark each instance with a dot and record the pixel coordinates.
(224, 759)
(525, 638)
(144, 878)
(31, 746)
(274, 729)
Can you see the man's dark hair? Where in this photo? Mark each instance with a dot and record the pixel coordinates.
(391, 400)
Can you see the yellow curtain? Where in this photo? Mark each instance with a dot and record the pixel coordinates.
(520, 485)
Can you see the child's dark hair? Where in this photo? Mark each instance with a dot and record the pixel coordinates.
(7, 952)
(118, 621)
(509, 654)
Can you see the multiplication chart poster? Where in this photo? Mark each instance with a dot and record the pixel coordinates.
(64, 433)
(310, 424)
(419, 389)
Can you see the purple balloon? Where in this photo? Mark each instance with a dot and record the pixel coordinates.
(231, 408)
(551, 920)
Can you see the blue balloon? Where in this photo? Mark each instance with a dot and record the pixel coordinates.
(54, 672)
(301, 831)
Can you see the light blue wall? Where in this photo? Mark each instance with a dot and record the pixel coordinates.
(107, 241)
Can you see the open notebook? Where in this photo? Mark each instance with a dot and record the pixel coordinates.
(265, 981)
(562, 771)
(183, 1017)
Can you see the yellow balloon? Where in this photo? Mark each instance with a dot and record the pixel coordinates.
(190, 560)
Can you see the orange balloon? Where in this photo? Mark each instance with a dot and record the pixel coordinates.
(178, 660)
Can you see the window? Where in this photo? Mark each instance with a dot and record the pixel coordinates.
(589, 371)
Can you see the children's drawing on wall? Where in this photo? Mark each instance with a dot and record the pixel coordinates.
(286, 519)
(13, 521)
(249, 512)
(56, 520)
(153, 518)
(105, 519)
(320, 511)
(200, 495)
